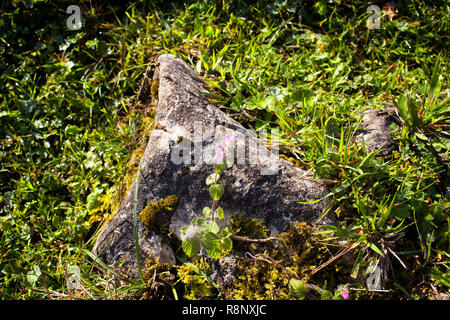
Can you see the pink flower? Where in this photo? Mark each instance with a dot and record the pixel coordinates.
(344, 293)
(228, 143)
(219, 157)
(229, 140)
(225, 150)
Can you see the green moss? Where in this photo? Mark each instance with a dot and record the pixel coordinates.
(154, 89)
(258, 280)
(195, 284)
(301, 252)
(156, 215)
(308, 251)
(153, 266)
(247, 227)
(255, 279)
(297, 163)
(159, 279)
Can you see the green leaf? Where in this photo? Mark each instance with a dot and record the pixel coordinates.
(224, 233)
(261, 102)
(421, 136)
(299, 96)
(440, 277)
(213, 227)
(375, 248)
(199, 222)
(227, 243)
(219, 167)
(34, 274)
(326, 295)
(72, 130)
(211, 243)
(297, 288)
(434, 81)
(402, 105)
(216, 191)
(191, 247)
(401, 211)
(408, 111)
(212, 178)
(206, 212)
(414, 113)
(220, 212)
(387, 213)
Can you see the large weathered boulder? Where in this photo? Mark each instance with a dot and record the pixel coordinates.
(178, 159)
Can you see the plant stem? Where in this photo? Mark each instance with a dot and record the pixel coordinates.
(354, 245)
(239, 238)
(268, 259)
(213, 208)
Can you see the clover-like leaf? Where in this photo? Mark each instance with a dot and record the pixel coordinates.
(216, 191)
(191, 247)
(220, 212)
(224, 233)
(213, 227)
(206, 212)
(227, 243)
(212, 178)
(219, 167)
(200, 222)
(211, 243)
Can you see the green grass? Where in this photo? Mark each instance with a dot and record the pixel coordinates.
(74, 107)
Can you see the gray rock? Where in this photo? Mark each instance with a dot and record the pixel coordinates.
(376, 133)
(178, 159)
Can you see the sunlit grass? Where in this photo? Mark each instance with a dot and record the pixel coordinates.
(75, 105)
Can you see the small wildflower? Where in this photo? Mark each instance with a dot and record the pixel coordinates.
(219, 157)
(229, 141)
(345, 292)
(226, 150)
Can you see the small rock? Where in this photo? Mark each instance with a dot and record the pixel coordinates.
(224, 272)
(376, 133)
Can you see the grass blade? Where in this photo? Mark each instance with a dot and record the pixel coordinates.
(106, 267)
(135, 227)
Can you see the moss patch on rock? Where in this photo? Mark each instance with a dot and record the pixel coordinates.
(156, 215)
(300, 251)
(159, 279)
(196, 286)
